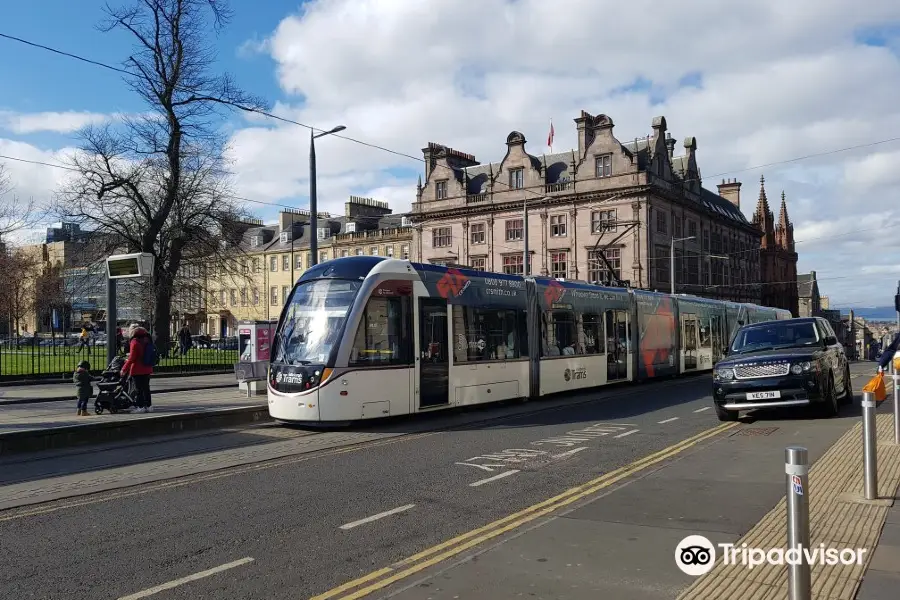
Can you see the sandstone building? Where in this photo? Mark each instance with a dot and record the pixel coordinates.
(605, 212)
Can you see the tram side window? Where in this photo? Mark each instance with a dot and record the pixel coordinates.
(705, 334)
(592, 326)
(561, 334)
(381, 338)
(488, 334)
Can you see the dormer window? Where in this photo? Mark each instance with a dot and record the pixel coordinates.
(256, 241)
(517, 179)
(350, 227)
(285, 237)
(440, 189)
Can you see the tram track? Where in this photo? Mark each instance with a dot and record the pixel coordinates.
(459, 421)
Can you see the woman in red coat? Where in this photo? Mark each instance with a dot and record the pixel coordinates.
(135, 368)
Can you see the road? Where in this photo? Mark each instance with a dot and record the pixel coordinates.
(304, 524)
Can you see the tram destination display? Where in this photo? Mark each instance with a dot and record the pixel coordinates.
(126, 266)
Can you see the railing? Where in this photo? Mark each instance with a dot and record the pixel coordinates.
(551, 188)
(472, 198)
(54, 358)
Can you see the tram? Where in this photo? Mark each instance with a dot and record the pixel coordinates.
(371, 337)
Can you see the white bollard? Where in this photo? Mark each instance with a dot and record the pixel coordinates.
(796, 472)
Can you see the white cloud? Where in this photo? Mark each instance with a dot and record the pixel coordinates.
(58, 122)
(773, 81)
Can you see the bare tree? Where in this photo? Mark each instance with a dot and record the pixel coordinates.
(158, 182)
(15, 213)
(17, 294)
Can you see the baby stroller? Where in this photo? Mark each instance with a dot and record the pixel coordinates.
(115, 393)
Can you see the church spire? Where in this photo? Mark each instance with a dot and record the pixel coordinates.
(763, 218)
(785, 227)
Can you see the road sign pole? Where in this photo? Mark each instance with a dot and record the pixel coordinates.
(796, 474)
(870, 448)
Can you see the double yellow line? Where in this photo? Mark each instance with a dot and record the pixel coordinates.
(382, 578)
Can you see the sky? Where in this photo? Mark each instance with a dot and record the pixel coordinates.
(769, 87)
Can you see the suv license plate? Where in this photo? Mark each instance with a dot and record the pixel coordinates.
(763, 395)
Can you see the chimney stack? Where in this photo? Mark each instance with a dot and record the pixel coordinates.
(730, 189)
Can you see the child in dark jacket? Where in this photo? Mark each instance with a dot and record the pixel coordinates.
(83, 386)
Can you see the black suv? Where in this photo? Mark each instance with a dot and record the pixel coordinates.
(791, 362)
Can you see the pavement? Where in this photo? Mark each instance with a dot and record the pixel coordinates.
(54, 392)
(581, 497)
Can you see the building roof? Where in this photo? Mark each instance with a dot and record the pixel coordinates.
(806, 285)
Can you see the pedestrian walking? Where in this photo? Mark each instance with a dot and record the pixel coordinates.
(139, 366)
(184, 339)
(83, 340)
(84, 387)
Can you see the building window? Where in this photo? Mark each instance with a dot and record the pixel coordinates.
(389, 251)
(343, 253)
(441, 237)
(255, 296)
(692, 228)
(597, 269)
(603, 220)
(514, 230)
(359, 251)
(661, 222)
(693, 270)
(604, 165)
(234, 298)
(517, 179)
(273, 296)
(404, 251)
(558, 225)
(513, 264)
(441, 189)
(285, 262)
(245, 267)
(285, 290)
(243, 296)
(477, 233)
(382, 338)
(323, 256)
(373, 251)
(676, 226)
(223, 298)
(478, 263)
(298, 262)
(273, 263)
(706, 240)
(559, 264)
(662, 263)
(257, 268)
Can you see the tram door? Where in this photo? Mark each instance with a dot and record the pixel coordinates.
(617, 344)
(718, 338)
(690, 330)
(434, 354)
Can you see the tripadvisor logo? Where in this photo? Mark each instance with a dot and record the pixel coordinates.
(695, 555)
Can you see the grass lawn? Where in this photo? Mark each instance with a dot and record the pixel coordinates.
(23, 361)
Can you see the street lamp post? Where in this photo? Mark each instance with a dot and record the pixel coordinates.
(672, 259)
(313, 224)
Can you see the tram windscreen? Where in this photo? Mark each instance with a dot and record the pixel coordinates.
(313, 320)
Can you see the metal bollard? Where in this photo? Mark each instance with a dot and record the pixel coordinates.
(896, 377)
(870, 448)
(796, 470)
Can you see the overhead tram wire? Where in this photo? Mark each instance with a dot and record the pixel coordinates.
(404, 154)
(66, 168)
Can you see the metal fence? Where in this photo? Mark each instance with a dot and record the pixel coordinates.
(45, 357)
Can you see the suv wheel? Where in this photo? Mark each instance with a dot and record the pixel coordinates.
(829, 405)
(847, 397)
(726, 415)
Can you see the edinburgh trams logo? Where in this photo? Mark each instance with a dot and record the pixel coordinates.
(578, 373)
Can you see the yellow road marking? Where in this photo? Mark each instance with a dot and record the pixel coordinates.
(501, 526)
